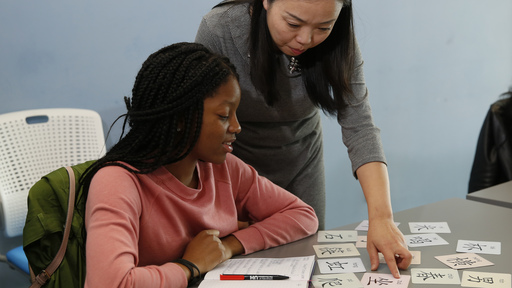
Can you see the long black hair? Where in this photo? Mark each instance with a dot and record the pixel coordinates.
(326, 69)
(166, 109)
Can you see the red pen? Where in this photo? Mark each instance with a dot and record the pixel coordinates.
(252, 277)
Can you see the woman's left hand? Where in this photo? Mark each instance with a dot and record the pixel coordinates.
(384, 237)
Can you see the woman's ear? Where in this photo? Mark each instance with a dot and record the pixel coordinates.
(265, 4)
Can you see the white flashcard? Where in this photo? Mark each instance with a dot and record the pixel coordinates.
(341, 265)
(345, 280)
(429, 227)
(486, 279)
(416, 257)
(479, 247)
(434, 276)
(361, 241)
(420, 240)
(363, 226)
(337, 236)
(464, 260)
(336, 250)
(386, 280)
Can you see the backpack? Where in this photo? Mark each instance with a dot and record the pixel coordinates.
(45, 225)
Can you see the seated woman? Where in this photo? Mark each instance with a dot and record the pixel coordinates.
(492, 164)
(164, 204)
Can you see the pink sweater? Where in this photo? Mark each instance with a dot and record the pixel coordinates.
(137, 224)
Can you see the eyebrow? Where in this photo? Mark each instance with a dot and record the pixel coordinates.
(227, 103)
(302, 21)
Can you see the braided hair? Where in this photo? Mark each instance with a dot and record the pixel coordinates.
(165, 112)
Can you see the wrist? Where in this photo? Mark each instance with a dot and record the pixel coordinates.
(232, 245)
(185, 269)
(379, 210)
(379, 220)
(193, 273)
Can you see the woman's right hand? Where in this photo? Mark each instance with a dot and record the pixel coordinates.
(205, 250)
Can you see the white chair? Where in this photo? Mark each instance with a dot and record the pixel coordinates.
(32, 144)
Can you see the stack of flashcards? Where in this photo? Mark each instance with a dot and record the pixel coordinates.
(339, 244)
(338, 260)
(468, 279)
(426, 234)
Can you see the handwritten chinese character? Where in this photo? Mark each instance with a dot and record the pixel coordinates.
(332, 250)
(419, 240)
(476, 246)
(330, 236)
(430, 275)
(427, 227)
(381, 281)
(461, 261)
(331, 282)
(336, 265)
(477, 279)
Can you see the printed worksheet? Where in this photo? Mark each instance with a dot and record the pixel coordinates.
(298, 269)
(341, 265)
(434, 276)
(464, 260)
(429, 227)
(486, 279)
(420, 240)
(337, 236)
(345, 280)
(336, 250)
(480, 247)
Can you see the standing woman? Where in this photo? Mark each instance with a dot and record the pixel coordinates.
(293, 57)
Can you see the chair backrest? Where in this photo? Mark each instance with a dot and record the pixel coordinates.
(35, 142)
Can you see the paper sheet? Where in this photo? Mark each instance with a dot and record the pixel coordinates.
(299, 269)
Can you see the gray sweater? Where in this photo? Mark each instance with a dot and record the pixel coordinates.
(284, 142)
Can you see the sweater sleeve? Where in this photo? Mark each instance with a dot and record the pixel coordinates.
(360, 134)
(112, 222)
(279, 217)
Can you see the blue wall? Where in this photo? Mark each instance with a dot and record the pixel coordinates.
(432, 68)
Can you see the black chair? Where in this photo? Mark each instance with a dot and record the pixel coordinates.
(493, 157)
